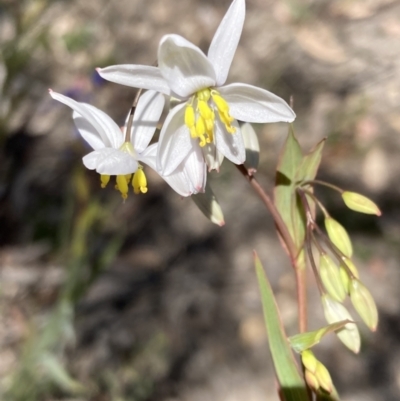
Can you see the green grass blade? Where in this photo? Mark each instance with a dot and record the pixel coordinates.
(292, 385)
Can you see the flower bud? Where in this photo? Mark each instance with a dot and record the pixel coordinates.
(339, 237)
(364, 304)
(323, 377)
(209, 206)
(330, 277)
(311, 380)
(335, 312)
(252, 146)
(309, 360)
(346, 265)
(360, 203)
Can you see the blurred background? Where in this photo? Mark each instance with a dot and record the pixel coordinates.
(147, 300)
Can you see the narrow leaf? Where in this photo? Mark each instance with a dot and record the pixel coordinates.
(292, 386)
(309, 166)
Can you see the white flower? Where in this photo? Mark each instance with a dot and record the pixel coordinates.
(120, 153)
(210, 112)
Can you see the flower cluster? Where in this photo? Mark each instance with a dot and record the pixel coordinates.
(197, 133)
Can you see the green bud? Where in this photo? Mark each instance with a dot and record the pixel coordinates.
(344, 275)
(309, 360)
(364, 304)
(336, 312)
(209, 206)
(252, 146)
(324, 378)
(339, 237)
(311, 380)
(360, 203)
(330, 277)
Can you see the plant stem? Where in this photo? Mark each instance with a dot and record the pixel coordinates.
(297, 264)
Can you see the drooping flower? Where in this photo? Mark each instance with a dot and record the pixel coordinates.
(210, 110)
(121, 152)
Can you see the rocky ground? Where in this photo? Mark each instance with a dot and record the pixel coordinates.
(163, 304)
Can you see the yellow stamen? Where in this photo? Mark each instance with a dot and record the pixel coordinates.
(122, 186)
(201, 130)
(139, 181)
(223, 111)
(104, 180)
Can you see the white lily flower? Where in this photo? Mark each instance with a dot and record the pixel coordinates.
(211, 110)
(121, 153)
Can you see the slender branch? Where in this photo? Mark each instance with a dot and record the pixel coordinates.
(325, 184)
(280, 224)
(290, 247)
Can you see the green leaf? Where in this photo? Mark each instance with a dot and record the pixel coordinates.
(291, 383)
(286, 199)
(303, 341)
(309, 166)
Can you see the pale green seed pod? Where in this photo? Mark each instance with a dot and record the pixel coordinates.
(311, 380)
(339, 237)
(309, 360)
(330, 277)
(323, 377)
(335, 312)
(344, 275)
(364, 304)
(360, 203)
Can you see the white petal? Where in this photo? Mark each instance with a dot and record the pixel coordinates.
(137, 76)
(110, 161)
(184, 66)
(145, 119)
(212, 157)
(175, 142)
(196, 168)
(88, 132)
(178, 180)
(226, 39)
(106, 128)
(111, 129)
(230, 145)
(255, 105)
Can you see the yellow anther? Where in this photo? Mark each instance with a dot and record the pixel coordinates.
(204, 110)
(200, 127)
(128, 178)
(104, 180)
(122, 186)
(220, 102)
(139, 181)
(190, 119)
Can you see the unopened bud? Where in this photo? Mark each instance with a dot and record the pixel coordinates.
(209, 206)
(339, 237)
(323, 377)
(330, 277)
(309, 360)
(311, 380)
(252, 146)
(364, 304)
(360, 203)
(336, 312)
(345, 266)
